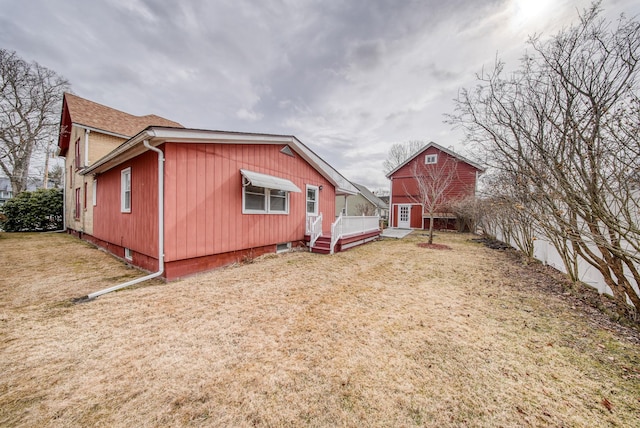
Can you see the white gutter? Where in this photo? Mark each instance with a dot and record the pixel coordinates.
(160, 230)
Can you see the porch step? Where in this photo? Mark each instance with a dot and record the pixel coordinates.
(322, 245)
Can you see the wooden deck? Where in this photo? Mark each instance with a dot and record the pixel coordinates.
(323, 244)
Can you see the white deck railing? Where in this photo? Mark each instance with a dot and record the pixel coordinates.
(314, 228)
(352, 225)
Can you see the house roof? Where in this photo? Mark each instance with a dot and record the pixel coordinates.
(157, 135)
(98, 116)
(442, 149)
(91, 115)
(366, 193)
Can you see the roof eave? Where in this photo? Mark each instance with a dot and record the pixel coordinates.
(160, 135)
(439, 147)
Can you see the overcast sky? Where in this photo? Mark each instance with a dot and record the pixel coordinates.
(348, 78)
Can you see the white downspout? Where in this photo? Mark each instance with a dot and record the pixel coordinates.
(86, 147)
(160, 230)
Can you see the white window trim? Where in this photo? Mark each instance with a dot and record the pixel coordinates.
(430, 159)
(317, 201)
(128, 254)
(267, 202)
(123, 182)
(94, 189)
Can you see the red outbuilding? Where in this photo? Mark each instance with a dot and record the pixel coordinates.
(432, 175)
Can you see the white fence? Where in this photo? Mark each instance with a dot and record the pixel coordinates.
(545, 252)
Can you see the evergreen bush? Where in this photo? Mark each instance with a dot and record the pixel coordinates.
(40, 210)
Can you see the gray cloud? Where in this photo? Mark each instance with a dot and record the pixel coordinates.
(348, 78)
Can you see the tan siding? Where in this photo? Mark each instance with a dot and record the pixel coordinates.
(101, 144)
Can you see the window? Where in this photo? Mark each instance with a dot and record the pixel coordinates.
(85, 196)
(71, 177)
(265, 194)
(312, 200)
(77, 159)
(429, 159)
(128, 254)
(277, 200)
(260, 200)
(125, 190)
(76, 213)
(284, 247)
(94, 194)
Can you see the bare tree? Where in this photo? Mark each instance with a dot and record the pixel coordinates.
(365, 209)
(563, 130)
(432, 186)
(400, 152)
(30, 102)
(56, 176)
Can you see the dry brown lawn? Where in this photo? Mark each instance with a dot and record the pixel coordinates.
(387, 334)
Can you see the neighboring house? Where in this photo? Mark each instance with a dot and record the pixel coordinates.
(406, 211)
(89, 131)
(6, 191)
(364, 203)
(192, 200)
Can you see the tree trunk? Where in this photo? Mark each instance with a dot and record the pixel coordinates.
(431, 228)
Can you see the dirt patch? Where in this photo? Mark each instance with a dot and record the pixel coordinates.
(381, 335)
(433, 246)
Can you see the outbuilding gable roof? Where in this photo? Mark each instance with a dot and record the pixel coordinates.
(442, 149)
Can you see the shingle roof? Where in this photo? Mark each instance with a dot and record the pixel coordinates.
(98, 116)
(370, 196)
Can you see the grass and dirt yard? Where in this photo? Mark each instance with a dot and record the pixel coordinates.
(387, 334)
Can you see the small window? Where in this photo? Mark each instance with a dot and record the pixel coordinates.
(85, 196)
(94, 194)
(76, 213)
(71, 177)
(429, 159)
(128, 254)
(312, 200)
(260, 200)
(283, 248)
(77, 159)
(125, 186)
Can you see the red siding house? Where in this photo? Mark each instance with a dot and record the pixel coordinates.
(459, 178)
(181, 201)
(224, 196)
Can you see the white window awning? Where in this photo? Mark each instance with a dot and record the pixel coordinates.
(269, 181)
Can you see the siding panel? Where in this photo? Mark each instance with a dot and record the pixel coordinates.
(137, 230)
(226, 228)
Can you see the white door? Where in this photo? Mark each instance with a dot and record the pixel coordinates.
(312, 205)
(404, 216)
